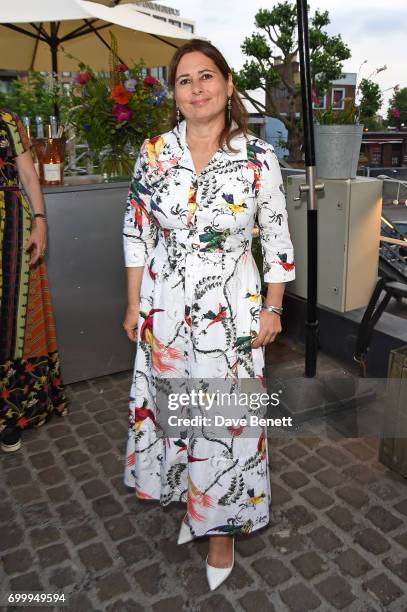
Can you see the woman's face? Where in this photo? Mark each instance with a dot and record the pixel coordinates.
(200, 91)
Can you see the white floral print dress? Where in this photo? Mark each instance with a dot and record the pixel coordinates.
(199, 312)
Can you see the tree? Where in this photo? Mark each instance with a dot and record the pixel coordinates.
(370, 102)
(397, 113)
(277, 40)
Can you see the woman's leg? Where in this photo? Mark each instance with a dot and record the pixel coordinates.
(220, 551)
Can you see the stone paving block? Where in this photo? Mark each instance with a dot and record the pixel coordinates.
(79, 418)
(52, 476)
(309, 564)
(299, 598)
(94, 488)
(173, 553)
(384, 589)
(66, 443)
(60, 494)
(12, 460)
(26, 582)
(134, 550)
(106, 506)
(287, 541)
(353, 496)
(250, 545)
(149, 578)
(40, 536)
(11, 537)
(97, 444)
(402, 507)
(52, 555)
(193, 579)
(6, 512)
(59, 430)
(62, 577)
(81, 534)
(75, 457)
(80, 602)
(115, 431)
(239, 578)
(360, 473)
(111, 465)
(316, 497)
(87, 429)
(384, 490)
(342, 517)
(333, 455)
(17, 477)
(324, 539)
(352, 563)
(311, 464)
(215, 603)
(168, 604)
(107, 416)
(299, 516)
(295, 479)
(330, 477)
(17, 562)
(272, 570)
(95, 557)
(28, 493)
(112, 585)
(85, 471)
(401, 539)
(120, 487)
(35, 446)
(311, 442)
(372, 541)
(398, 565)
(360, 450)
(127, 605)
(279, 495)
(36, 514)
(383, 519)
(294, 451)
(42, 460)
(256, 600)
(337, 591)
(71, 512)
(119, 528)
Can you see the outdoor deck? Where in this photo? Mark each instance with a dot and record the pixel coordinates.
(337, 539)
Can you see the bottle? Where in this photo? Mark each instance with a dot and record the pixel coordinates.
(54, 126)
(51, 161)
(40, 127)
(26, 123)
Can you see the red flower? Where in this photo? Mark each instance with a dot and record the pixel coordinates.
(5, 393)
(22, 422)
(56, 382)
(29, 367)
(121, 68)
(395, 112)
(149, 81)
(83, 77)
(121, 113)
(2, 164)
(120, 94)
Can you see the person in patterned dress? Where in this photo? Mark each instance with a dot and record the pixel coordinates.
(194, 299)
(31, 388)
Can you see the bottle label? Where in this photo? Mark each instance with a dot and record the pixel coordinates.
(52, 172)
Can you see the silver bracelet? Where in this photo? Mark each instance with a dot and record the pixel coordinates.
(275, 309)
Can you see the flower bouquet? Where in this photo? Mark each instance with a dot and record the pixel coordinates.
(115, 111)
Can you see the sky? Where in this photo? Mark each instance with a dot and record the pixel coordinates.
(375, 30)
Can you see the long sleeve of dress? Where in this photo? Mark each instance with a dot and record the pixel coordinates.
(277, 248)
(139, 230)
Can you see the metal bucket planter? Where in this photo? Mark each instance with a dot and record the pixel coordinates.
(337, 149)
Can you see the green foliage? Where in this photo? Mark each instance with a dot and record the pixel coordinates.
(370, 103)
(34, 95)
(399, 103)
(347, 116)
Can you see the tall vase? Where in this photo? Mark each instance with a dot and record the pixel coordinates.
(116, 162)
(337, 150)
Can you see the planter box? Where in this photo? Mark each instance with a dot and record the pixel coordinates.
(337, 149)
(393, 445)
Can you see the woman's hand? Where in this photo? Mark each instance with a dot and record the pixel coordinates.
(130, 322)
(270, 326)
(37, 241)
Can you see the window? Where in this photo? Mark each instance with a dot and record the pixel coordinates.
(188, 27)
(320, 103)
(338, 98)
(376, 155)
(395, 160)
(174, 22)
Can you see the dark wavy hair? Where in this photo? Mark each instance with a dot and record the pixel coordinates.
(238, 112)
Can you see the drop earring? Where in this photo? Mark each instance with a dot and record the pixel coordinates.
(178, 117)
(229, 109)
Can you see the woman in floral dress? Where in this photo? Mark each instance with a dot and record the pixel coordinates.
(30, 380)
(194, 301)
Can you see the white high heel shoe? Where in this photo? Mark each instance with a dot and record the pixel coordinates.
(217, 575)
(185, 534)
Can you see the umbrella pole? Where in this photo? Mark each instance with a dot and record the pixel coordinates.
(54, 42)
(311, 188)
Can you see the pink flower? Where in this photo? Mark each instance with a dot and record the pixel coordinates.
(315, 98)
(121, 113)
(83, 77)
(149, 81)
(121, 68)
(395, 112)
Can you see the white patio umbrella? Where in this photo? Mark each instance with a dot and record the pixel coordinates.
(39, 35)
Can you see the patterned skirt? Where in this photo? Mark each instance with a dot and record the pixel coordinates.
(30, 381)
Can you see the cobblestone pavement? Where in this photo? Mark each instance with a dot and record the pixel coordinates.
(337, 539)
